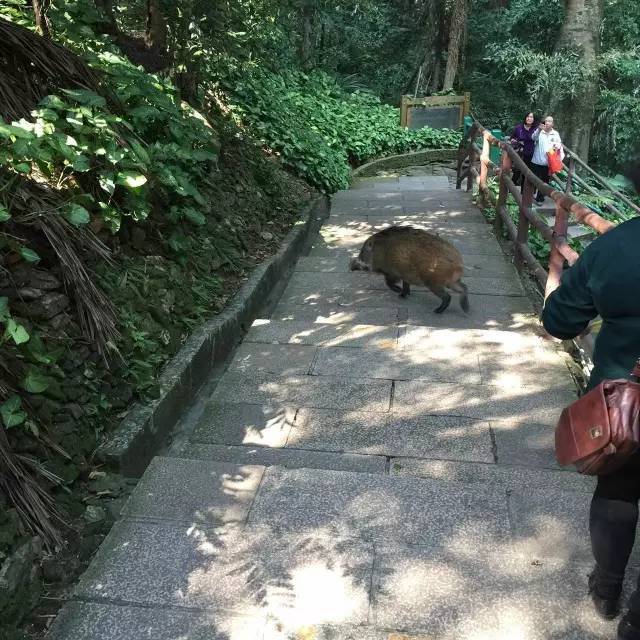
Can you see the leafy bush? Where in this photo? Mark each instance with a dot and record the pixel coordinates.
(318, 128)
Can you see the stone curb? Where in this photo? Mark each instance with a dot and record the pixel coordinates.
(147, 426)
(405, 160)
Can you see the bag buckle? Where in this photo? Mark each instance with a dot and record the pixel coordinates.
(595, 432)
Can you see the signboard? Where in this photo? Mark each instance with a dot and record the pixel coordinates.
(437, 112)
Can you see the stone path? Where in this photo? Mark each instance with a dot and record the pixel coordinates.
(365, 469)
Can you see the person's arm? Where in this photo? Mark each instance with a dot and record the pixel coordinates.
(535, 134)
(569, 309)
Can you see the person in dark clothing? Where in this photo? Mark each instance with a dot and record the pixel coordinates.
(523, 144)
(605, 281)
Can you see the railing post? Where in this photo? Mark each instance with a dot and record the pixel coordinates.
(572, 170)
(523, 223)
(484, 169)
(556, 260)
(472, 156)
(505, 168)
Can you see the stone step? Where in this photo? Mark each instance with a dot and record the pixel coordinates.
(319, 283)
(109, 621)
(350, 245)
(481, 266)
(289, 458)
(517, 598)
(304, 391)
(499, 312)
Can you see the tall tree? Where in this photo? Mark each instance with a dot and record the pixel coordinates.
(40, 10)
(456, 36)
(156, 33)
(581, 33)
(307, 12)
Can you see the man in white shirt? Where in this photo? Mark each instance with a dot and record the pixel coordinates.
(546, 138)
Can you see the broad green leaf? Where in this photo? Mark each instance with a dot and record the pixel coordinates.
(4, 214)
(131, 179)
(16, 331)
(48, 114)
(35, 382)
(8, 130)
(81, 163)
(12, 413)
(54, 102)
(86, 97)
(23, 167)
(4, 307)
(107, 183)
(29, 255)
(140, 151)
(77, 215)
(194, 216)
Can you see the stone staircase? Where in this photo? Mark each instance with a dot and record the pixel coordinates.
(364, 469)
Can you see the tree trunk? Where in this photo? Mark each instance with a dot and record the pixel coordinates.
(105, 7)
(306, 48)
(40, 8)
(456, 33)
(580, 33)
(438, 50)
(156, 36)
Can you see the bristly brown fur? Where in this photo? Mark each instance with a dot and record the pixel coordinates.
(417, 257)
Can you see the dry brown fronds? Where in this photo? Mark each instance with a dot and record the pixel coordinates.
(32, 67)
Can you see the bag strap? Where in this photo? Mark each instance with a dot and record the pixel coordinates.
(636, 371)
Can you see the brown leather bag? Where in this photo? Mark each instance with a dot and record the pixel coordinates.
(599, 432)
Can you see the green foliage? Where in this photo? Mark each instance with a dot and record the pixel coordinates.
(512, 66)
(319, 129)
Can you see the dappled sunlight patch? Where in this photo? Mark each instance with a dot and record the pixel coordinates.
(305, 579)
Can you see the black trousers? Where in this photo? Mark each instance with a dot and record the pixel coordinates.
(542, 172)
(612, 525)
(518, 178)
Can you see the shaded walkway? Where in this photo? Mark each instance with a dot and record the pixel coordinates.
(364, 467)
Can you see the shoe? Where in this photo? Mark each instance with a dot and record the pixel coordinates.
(628, 631)
(606, 608)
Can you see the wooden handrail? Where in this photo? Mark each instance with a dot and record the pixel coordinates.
(600, 179)
(565, 204)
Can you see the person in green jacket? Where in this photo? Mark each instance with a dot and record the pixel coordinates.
(605, 281)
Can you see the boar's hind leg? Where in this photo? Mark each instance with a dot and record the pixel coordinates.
(406, 289)
(461, 288)
(443, 295)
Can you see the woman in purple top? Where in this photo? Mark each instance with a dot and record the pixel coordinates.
(523, 144)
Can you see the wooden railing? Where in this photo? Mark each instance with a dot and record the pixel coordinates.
(475, 165)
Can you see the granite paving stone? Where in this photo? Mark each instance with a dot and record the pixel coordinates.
(344, 335)
(392, 435)
(327, 314)
(209, 494)
(289, 458)
(380, 508)
(396, 364)
(304, 391)
(242, 423)
(523, 406)
(489, 589)
(551, 525)
(304, 578)
(509, 476)
(283, 359)
(315, 283)
(106, 621)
